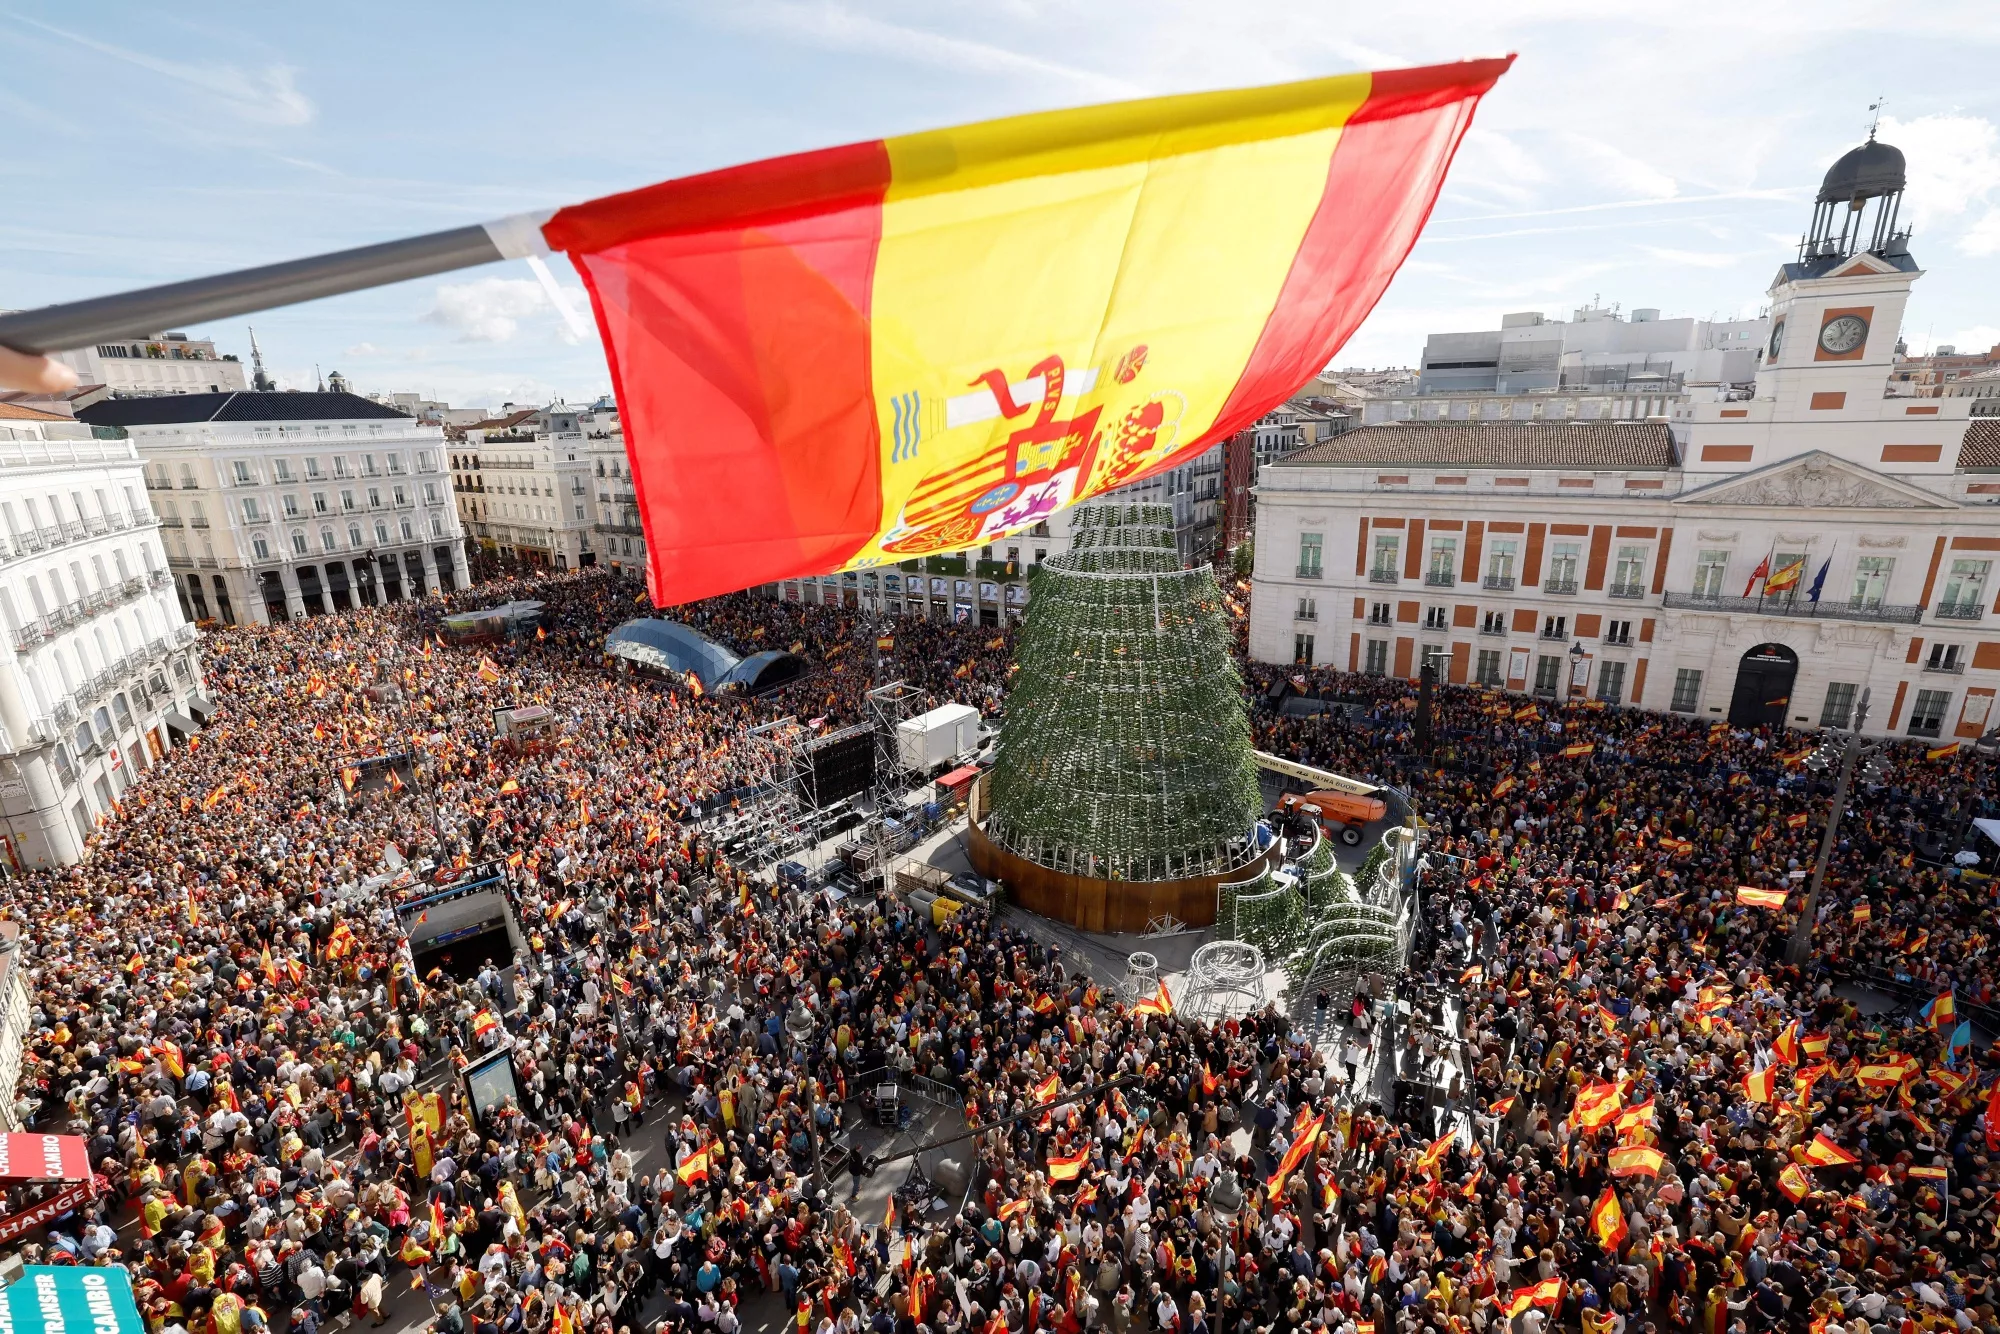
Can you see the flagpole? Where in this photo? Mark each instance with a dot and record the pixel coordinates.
(148, 310)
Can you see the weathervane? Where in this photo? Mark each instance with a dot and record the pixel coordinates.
(1875, 115)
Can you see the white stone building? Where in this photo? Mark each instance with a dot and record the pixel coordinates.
(99, 676)
(617, 539)
(1763, 561)
(280, 505)
(167, 363)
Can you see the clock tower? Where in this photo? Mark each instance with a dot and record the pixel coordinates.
(1836, 313)
(1837, 310)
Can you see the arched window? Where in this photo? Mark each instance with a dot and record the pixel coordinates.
(381, 533)
(354, 535)
(327, 540)
(299, 546)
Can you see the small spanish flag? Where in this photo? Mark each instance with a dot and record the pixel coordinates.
(1607, 1220)
(1159, 1003)
(1761, 1085)
(1068, 1168)
(886, 643)
(1792, 1180)
(489, 671)
(1797, 821)
(1751, 897)
(1828, 1154)
(1941, 752)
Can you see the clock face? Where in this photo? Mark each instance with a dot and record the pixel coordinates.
(1777, 337)
(1844, 334)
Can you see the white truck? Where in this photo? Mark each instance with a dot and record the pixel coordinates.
(938, 737)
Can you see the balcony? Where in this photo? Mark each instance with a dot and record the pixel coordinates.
(1441, 579)
(1310, 572)
(1879, 612)
(197, 522)
(1562, 587)
(1627, 590)
(29, 635)
(1960, 611)
(1619, 641)
(1555, 633)
(184, 634)
(1382, 576)
(180, 562)
(1499, 583)
(158, 578)
(1949, 666)
(96, 524)
(1493, 630)
(190, 484)
(1377, 618)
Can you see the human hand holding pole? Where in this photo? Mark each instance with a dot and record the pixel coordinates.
(32, 374)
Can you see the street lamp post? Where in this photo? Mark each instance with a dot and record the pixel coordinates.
(800, 1027)
(1852, 751)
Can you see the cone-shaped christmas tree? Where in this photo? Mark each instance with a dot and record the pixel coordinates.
(1125, 754)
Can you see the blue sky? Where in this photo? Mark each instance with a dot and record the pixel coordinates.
(1659, 158)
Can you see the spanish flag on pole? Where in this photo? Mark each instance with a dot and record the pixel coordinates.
(1607, 1220)
(1070, 1167)
(1751, 897)
(860, 355)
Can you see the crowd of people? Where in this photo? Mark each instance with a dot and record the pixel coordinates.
(1649, 1119)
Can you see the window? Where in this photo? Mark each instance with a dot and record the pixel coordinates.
(354, 535)
(1500, 564)
(402, 496)
(368, 465)
(1435, 618)
(1965, 589)
(1488, 671)
(1838, 711)
(1944, 658)
(1308, 610)
(312, 469)
(1548, 673)
(395, 464)
(1376, 661)
(1444, 562)
(431, 493)
(1494, 623)
(427, 461)
(347, 501)
(1387, 562)
(1309, 555)
(250, 512)
(1379, 613)
(299, 544)
(437, 525)
(291, 507)
(381, 533)
(374, 497)
(408, 532)
(1871, 580)
(240, 469)
(1628, 578)
(261, 547)
(1618, 632)
(1302, 649)
(284, 470)
(1687, 691)
(1927, 717)
(340, 465)
(1562, 568)
(1611, 682)
(327, 541)
(1555, 627)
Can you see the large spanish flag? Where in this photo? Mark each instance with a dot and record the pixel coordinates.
(851, 357)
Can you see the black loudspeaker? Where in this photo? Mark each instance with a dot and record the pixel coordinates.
(840, 765)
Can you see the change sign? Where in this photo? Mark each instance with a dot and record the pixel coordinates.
(70, 1299)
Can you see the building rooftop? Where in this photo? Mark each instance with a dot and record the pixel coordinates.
(1981, 446)
(22, 413)
(246, 406)
(1615, 445)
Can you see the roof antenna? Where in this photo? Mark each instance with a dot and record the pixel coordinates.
(319, 379)
(258, 380)
(1875, 116)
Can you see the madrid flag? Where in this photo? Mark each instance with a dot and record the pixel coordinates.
(856, 356)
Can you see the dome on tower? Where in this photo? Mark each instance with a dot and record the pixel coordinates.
(1868, 172)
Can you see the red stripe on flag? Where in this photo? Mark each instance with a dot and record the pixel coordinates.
(1383, 180)
(706, 332)
(754, 194)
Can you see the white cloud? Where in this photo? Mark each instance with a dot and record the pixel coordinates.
(1982, 237)
(1953, 163)
(1621, 171)
(487, 310)
(1700, 259)
(360, 350)
(267, 96)
(829, 24)
(1975, 339)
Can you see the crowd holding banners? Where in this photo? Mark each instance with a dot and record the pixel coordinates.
(234, 1025)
